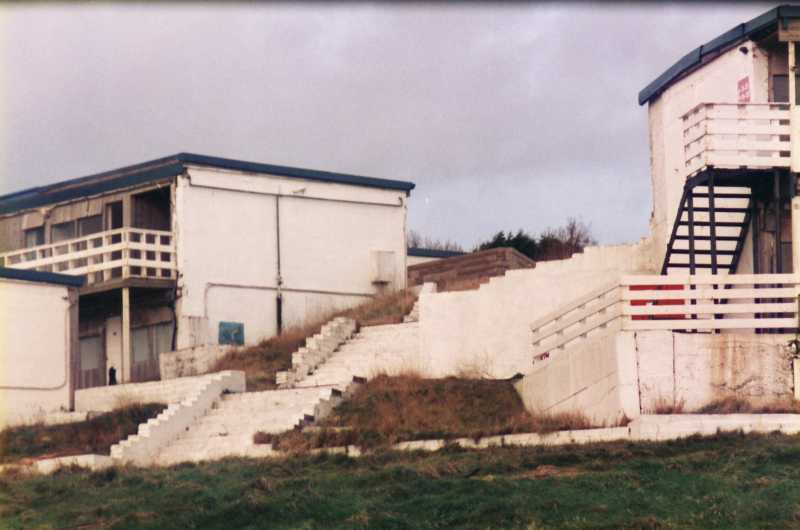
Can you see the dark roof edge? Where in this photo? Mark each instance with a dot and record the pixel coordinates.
(433, 253)
(33, 199)
(41, 277)
(286, 171)
(170, 166)
(726, 40)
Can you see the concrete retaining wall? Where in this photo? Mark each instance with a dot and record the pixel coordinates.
(598, 380)
(633, 373)
(694, 369)
(190, 361)
(106, 398)
(488, 330)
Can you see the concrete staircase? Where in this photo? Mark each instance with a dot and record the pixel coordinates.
(227, 429)
(218, 424)
(391, 349)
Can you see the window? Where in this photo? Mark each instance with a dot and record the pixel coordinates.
(34, 237)
(62, 231)
(90, 225)
(114, 215)
(780, 88)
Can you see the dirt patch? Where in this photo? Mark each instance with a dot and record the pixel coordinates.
(538, 473)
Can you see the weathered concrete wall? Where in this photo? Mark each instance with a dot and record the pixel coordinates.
(599, 380)
(106, 398)
(488, 330)
(697, 368)
(226, 235)
(632, 373)
(37, 331)
(468, 271)
(190, 361)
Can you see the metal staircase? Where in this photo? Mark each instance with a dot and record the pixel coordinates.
(710, 226)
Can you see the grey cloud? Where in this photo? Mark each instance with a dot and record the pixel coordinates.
(506, 116)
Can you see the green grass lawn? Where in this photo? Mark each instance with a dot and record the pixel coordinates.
(729, 481)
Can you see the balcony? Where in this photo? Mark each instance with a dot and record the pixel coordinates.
(736, 135)
(120, 254)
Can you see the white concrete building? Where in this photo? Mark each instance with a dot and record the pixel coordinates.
(38, 369)
(190, 250)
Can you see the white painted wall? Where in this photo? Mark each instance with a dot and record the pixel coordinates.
(35, 338)
(633, 373)
(488, 330)
(697, 368)
(715, 82)
(225, 226)
(598, 379)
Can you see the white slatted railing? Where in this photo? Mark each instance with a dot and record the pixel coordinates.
(114, 254)
(733, 135)
(675, 302)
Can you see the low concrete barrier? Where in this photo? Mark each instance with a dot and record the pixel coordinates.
(107, 398)
(190, 361)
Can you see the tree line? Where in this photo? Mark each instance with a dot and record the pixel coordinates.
(553, 243)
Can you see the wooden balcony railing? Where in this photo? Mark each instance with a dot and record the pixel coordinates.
(735, 135)
(114, 254)
(745, 302)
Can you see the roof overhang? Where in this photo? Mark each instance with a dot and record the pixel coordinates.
(168, 167)
(41, 277)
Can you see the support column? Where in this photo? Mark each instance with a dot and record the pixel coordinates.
(127, 351)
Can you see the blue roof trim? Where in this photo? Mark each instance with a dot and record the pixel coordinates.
(168, 167)
(285, 171)
(41, 197)
(432, 253)
(42, 277)
(730, 38)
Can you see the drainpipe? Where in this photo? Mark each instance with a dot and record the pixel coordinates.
(279, 279)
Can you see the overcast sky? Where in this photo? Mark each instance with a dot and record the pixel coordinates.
(505, 116)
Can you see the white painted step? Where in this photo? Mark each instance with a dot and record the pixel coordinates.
(228, 428)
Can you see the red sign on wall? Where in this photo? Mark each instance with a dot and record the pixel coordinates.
(744, 90)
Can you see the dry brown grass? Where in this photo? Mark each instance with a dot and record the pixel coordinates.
(95, 435)
(736, 405)
(667, 406)
(388, 410)
(262, 361)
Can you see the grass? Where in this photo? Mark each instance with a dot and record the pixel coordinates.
(727, 481)
(95, 435)
(262, 361)
(391, 409)
(735, 405)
